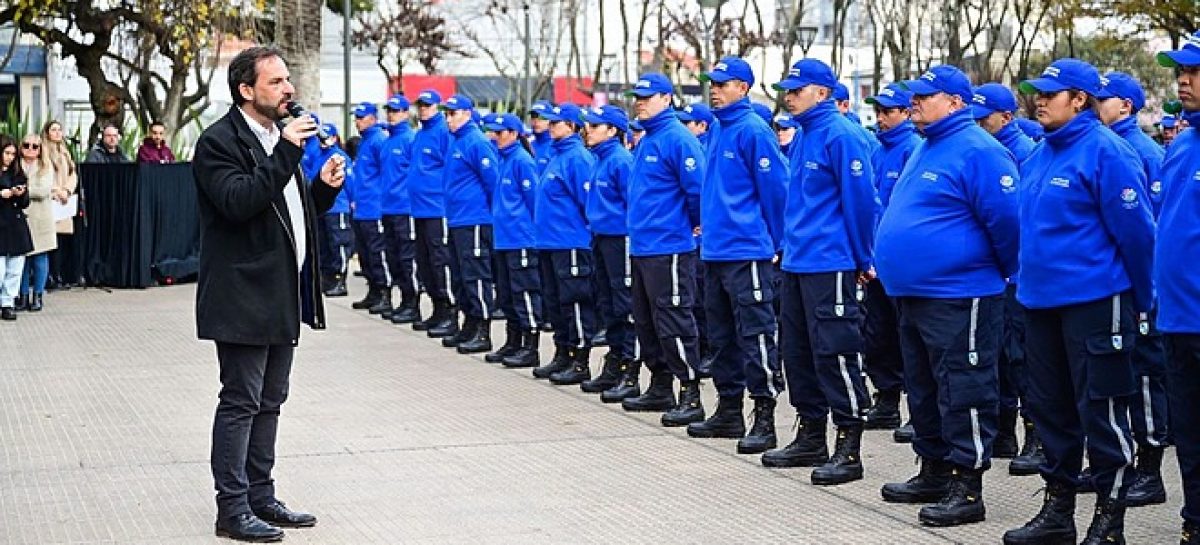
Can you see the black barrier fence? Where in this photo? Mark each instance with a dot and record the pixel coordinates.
(141, 225)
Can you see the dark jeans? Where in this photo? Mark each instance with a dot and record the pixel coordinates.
(254, 383)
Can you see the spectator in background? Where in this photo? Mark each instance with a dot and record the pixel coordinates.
(14, 232)
(154, 148)
(40, 175)
(65, 262)
(107, 150)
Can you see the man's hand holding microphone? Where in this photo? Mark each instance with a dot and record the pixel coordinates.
(304, 126)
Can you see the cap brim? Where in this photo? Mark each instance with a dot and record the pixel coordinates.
(593, 119)
(1041, 85)
(920, 87)
(640, 93)
(979, 112)
(1183, 57)
(791, 84)
(427, 103)
(495, 127)
(716, 77)
(885, 102)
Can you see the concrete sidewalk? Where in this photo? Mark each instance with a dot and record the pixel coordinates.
(106, 403)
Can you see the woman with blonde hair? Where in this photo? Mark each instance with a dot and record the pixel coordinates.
(40, 214)
(64, 266)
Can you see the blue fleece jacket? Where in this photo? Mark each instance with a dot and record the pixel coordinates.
(427, 155)
(513, 200)
(1016, 142)
(950, 230)
(311, 166)
(608, 199)
(664, 188)
(395, 167)
(1086, 226)
(367, 187)
(543, 149)
(896, 146)
(1150, 153)
(469, 178)
(742, 200)
(561, 211)
(831, 202)
(1176, 274)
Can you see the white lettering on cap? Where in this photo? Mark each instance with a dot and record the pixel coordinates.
(979, 99)
(426, 95)
(643, 83)
(887, 92)
(928, 76)
(794, 72)
(1192, 40)
(1051, 71)
(721, 66)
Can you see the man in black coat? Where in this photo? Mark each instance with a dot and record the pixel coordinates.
(257, 281)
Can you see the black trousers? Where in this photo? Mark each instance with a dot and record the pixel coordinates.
(1183, 387)
(1079, 360)
(664, 296)
(1148, 408)
(882, 359)
(567, 293)
(254, 384)
(738, 299)
(434, 258)
(951, 351)
(372, 252)
(519, 287)
(337, 244)
(613, 280)
(66, 262)
(471, 269)
(1011, 370)
(821, 343)
(400, 243)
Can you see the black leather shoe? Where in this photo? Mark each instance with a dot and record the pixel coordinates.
(278, 514)
(247, 527)
(8, 314)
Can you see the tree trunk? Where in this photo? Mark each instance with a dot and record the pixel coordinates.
(298, 34)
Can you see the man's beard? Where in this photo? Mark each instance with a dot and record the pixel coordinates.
(269, 111)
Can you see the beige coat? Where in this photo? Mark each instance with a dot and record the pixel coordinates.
(40, 211)
(65, 180)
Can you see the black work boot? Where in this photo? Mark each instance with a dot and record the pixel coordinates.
(446, 325)
(929, 485)
(439, 314)
(1108, 523)
(610, 375)
(657, 398)
(385, 302)
(1054, 524)
(903, 434)
(846, 464)
(689, 409)
(527, 355)
(808, 449)
(627, 386)
(579, 371)
(35, 302)
(512, 343)
(762, 431)
(1147, 489)
(1190, 534)
(1030, 457)
(560, 362)
(368, 301)
(480, 339)
(885, 413)
(1005, 444)
(726, 422)
(461, 334)
(22, 303)
(337, 288)
(408, 312)
(962, 504)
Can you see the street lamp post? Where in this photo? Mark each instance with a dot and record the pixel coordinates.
(805, 35)
(528, 102)
(709, 10)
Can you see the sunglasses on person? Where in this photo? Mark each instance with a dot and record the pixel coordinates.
(31, 145)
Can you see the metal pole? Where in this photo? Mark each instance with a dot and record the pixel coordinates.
(346, 66)
(528, 102)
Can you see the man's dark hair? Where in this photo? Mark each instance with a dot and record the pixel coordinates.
(244, 68)
(110, 126)
(157, 123)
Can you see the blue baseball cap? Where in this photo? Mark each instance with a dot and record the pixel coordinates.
(429, 97)
(398, 103)
(763, 111)
(636, 126)
(607, 115)
(504, 122)
(893, 95)
(729, 68)
(363, 109)
(651, 84)
(808, 72)
(841, 92)
(695, 112)
(564, 112)
(488, 118)
(1064, 74)
(1031, 128)
(786, 121)
(1169, 122)
(942, 78)
(990, 98)
(458, 102)
(540, 108)
(329, 129)
(1125, 87)
(1189, 55)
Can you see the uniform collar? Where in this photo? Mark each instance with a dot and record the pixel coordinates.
(950, 125)
(606, 148)
(663, 119)
(568, 142)
(1083, 123)
(734, 111)
(818, 115)
(897, 134)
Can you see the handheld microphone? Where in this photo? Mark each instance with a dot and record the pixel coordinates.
(296, 110)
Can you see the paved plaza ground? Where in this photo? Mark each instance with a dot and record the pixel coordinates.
(106, 403)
